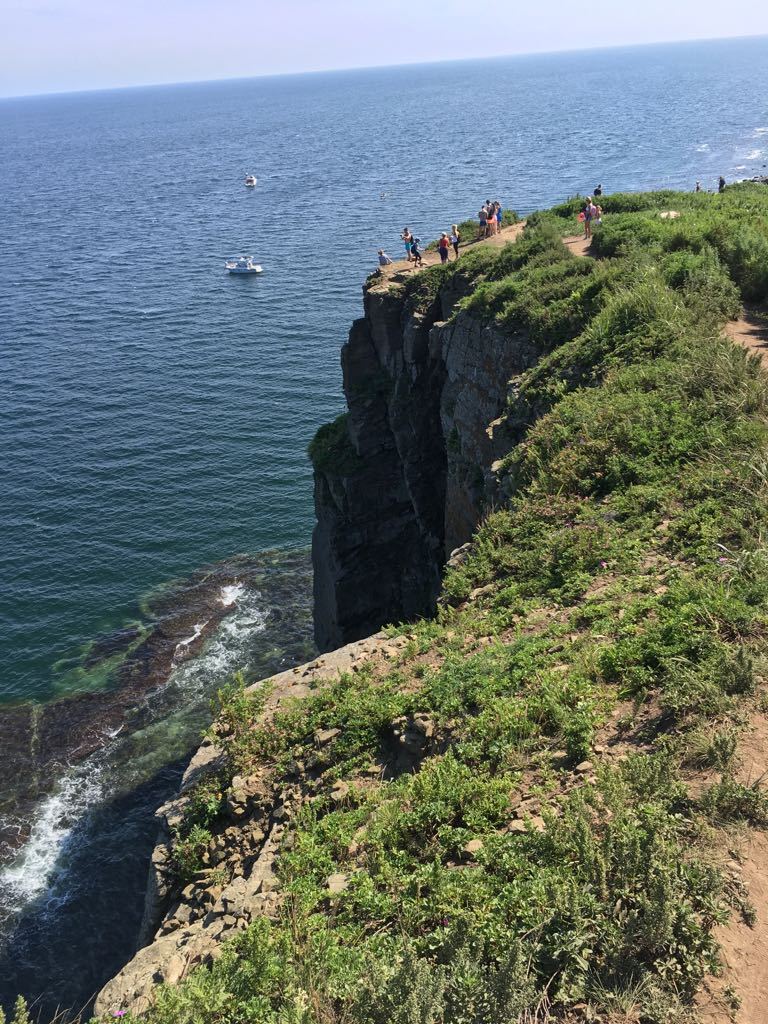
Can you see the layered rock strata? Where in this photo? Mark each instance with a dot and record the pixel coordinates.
(426, 388)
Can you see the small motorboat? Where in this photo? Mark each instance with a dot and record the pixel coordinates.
(251, 180)
(243, 265)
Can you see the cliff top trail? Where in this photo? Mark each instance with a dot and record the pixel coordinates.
(431, 257)
(750, 331)
(578, 244)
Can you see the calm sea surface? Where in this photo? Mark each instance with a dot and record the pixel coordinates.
(154, 412)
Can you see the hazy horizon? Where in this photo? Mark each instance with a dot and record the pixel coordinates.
(374, 67)
(60, 46)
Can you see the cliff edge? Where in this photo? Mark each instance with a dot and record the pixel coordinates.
(403, 477)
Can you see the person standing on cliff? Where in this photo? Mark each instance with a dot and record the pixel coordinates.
(455, 238)
(483, 218)
(443, 247)
(721, 184)
(407, 238)
(499, 215)
(417, 260)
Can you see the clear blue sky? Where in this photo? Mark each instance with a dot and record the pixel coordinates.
(61, 45)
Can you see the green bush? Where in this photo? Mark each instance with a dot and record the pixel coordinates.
(331, 450)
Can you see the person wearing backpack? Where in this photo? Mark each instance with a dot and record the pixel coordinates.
(417, 260)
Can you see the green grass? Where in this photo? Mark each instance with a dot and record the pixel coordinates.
(625, 594)
(331, 450)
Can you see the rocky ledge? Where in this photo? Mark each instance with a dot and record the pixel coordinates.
(186, 924)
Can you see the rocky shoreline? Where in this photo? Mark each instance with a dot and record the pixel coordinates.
(95, 767)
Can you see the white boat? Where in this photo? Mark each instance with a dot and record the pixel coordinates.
(250, 180)
(243, 265)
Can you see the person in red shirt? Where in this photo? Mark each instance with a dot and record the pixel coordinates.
(443, 246)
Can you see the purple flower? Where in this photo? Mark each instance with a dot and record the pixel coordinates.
(119, 1013)
(603, 565)
(722, 559)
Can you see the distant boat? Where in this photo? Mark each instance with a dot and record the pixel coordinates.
(243, 265)
(251, 180)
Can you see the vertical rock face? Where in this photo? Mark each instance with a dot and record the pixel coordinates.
(410, 475)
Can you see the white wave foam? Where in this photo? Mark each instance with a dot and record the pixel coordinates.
(703, 148)
(228, 648)
(43, 857)
(197, 629)
(39, 869)
(231, 593)
(760, 131)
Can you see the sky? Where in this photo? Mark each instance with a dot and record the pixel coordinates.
(66, 45)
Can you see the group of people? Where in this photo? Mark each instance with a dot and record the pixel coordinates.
(592, 212)
(445, 243)
(489, 216)
(720, 185)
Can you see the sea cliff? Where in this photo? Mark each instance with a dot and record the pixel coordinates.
(544, 801)
(403, 478)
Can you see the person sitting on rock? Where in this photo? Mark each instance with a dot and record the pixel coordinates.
(384, 260)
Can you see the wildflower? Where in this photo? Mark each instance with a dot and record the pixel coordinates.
(119, 1013)
(722, 559)
(603, 565)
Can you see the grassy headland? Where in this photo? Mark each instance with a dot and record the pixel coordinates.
(554, 845)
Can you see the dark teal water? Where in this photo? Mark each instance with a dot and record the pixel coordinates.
(154, 412)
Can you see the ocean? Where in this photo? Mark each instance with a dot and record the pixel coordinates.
(154, 412)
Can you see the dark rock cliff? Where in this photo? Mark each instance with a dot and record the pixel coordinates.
(406, 475)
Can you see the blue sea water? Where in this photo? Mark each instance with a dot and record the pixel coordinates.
(155, 412)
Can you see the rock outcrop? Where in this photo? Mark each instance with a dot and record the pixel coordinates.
(186, 925)
(412, 472)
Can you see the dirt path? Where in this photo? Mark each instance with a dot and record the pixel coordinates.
(744, 948)
(579, 245)
(751, 332)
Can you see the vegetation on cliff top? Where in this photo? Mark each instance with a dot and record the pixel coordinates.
(543, 851)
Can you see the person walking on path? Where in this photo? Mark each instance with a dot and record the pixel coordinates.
(483, 218)
(407, 238)
(443, 247)
(455, 238)
(417, 260)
